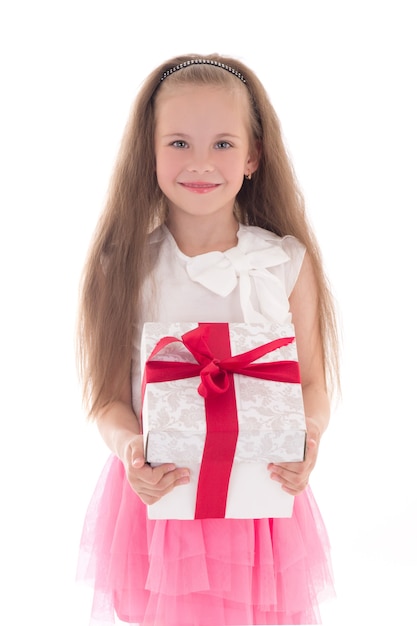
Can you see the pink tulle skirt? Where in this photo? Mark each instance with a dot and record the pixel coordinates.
(201, 572)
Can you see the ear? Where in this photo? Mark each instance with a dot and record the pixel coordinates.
(254, 158)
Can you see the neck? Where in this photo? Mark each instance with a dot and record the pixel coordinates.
(197, 235)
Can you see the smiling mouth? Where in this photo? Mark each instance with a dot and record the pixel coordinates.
(200, 187)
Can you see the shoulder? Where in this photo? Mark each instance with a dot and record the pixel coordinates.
(294, 248)
(161, 246)
(290, 245)
(158, 235)
(288, 251)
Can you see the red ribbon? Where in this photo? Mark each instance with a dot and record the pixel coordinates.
(209, 343)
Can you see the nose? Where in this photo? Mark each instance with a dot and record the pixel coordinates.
(200, 162)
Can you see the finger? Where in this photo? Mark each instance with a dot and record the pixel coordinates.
(162, 476)
(289, 478)
(292, 483)
(287, 468)
(178, 476)
(163, 487)
(295, 477)
(151, 493)
(166, 473)
(311, 453)
(293, 491)
(137, 454)
(285, 477)
(138, 460)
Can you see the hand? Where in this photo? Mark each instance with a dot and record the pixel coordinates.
(294, 477)
(150, 483)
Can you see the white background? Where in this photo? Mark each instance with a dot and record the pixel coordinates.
(342, 78)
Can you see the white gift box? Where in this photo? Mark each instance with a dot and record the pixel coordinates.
(270, 417)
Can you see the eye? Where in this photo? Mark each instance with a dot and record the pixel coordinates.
(179, 143)
(223, 145)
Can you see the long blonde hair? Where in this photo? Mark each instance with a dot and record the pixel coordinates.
(119, 258)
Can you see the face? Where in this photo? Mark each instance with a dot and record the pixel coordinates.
(202, 148)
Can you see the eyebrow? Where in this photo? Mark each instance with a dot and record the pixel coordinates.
(185, 136)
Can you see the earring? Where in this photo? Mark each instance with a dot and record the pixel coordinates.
(248, 176)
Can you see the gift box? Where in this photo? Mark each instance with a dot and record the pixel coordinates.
(223, 400)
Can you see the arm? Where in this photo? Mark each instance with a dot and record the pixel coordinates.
(303, 303)
(119, 427)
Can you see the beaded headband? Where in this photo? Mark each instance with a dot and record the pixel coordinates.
(223, 66)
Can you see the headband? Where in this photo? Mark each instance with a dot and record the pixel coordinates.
(223, 66)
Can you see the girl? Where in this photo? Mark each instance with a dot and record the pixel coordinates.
(202, 183)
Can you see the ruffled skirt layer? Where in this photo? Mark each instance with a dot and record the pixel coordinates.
(201, 572)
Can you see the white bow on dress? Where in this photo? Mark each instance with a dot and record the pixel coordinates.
(247, 265)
